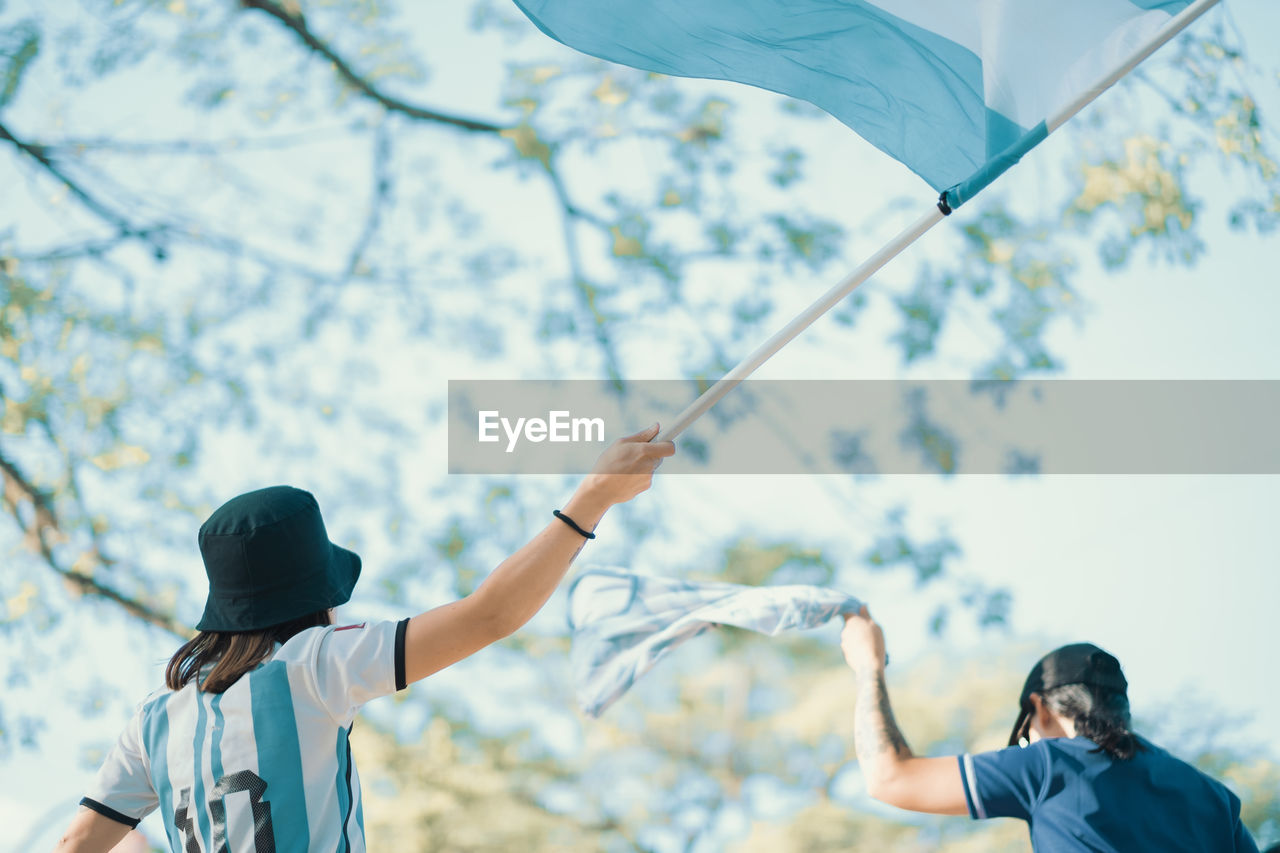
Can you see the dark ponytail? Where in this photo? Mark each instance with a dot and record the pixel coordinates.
(1100, 715)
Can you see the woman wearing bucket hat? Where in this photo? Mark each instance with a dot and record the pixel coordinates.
(246, 749)
(1074, 769)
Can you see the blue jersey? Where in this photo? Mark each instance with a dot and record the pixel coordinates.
(1077, 798)
(264, 767)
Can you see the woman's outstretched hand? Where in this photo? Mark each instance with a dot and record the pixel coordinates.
(626, 467)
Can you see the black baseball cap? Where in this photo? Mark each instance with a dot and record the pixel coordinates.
(269, 560)
(1078, 663)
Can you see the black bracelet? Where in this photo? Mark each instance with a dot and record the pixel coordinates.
(569, 521)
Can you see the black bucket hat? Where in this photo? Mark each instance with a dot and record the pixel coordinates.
(1078, 663)
(269, 560)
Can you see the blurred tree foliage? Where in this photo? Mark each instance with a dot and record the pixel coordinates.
(752, 742)
(248, 240)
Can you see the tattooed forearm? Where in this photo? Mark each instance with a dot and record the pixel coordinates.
(876, 735)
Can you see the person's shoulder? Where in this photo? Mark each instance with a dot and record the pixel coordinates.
(153, 700)
(306, 644)
(1156, 754)
(1033, 757)
(1078, 745)
(1184, 773)
(151, 710)
(1073, 755)
(301, 646)
(1031, 751)
(1085, 751)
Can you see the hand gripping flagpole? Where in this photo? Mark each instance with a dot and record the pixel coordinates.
(909, 235)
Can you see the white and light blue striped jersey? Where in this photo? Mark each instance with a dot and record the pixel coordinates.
(264, 767)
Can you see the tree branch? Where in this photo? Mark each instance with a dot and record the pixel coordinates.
(298, 25)
(377, 200)
(585, 291)
(198, 147)
(44, 528)
(124, 228)
(582, 286)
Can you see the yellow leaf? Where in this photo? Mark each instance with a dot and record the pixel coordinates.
(528, 145)
(20, 603)
(126, 454)
(15, 418)
(526, 105)
(85, 563)
(543, 73)
(149, 343)
(80, 366)
(623, 246)
(1000, 252)
(609, 94)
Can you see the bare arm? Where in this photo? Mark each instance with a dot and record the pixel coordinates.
(523, 582)
(893, 773)
(91, 832)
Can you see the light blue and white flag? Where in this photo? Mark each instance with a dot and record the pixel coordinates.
(623, 623)
(958, 91)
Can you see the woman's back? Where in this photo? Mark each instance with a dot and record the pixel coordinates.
(266, 764)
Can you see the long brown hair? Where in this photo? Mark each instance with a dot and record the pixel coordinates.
(232, 653)
(1100, 715)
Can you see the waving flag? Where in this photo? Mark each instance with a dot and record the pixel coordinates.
(958, 91)
(624, 623)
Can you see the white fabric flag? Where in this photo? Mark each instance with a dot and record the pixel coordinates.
(623, 623)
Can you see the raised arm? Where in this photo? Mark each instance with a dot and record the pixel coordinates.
(523, 582)
(894, 774)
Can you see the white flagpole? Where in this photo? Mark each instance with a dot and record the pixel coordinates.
(802, 321)
(909, 235)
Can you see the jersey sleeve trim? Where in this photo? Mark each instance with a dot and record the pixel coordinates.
(977, 809)
(401, 628)
(108, 812)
